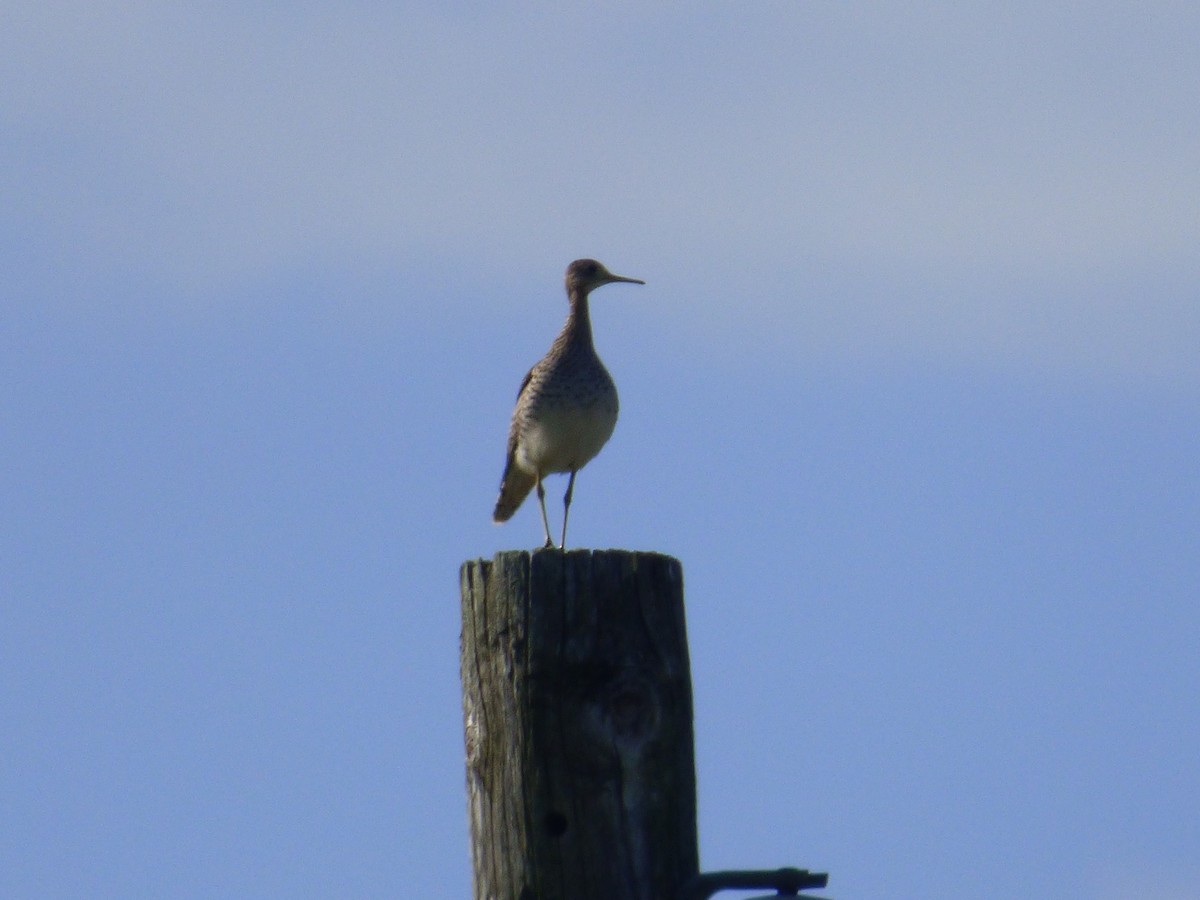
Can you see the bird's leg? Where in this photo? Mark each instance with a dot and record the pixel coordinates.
(541, 492)
(567, 508)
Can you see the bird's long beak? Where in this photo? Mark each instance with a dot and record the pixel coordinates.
(625, 278)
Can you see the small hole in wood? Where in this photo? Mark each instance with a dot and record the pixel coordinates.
(556, 824)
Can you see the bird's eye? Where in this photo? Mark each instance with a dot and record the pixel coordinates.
(590, 269)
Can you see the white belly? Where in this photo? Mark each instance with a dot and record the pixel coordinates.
(564, 440)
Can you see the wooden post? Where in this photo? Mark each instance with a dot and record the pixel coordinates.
(577, 705)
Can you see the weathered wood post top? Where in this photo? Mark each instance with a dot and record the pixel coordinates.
(577, 708)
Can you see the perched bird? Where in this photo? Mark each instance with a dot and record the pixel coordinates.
(566, 407)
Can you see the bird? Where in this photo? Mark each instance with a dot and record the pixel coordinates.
(566, 407)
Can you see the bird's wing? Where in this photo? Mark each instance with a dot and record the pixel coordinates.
(515, 484)
(525, 383)
(514, 428)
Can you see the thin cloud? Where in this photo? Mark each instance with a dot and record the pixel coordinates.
(931, 154)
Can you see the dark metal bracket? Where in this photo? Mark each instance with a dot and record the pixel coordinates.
(787, 882)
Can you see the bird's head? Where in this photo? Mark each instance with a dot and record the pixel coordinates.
(586, 275)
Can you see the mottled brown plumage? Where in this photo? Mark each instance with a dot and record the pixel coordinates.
(566, 407)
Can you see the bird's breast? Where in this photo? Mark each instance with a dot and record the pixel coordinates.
(561, 435)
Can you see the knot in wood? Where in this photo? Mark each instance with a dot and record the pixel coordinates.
(630, 707)
(474, 741)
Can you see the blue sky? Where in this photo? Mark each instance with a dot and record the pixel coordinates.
(911, 390)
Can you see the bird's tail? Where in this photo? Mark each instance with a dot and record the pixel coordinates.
(514, 488)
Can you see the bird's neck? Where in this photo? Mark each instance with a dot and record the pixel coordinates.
(578, 329)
